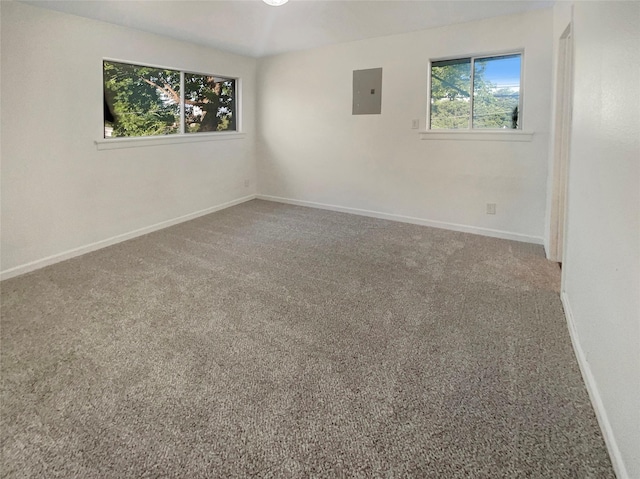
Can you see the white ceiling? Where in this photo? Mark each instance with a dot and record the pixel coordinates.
(249, 27)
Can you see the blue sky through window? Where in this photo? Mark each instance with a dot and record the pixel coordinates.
(502, 71)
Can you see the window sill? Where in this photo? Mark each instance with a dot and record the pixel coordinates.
(493, 135)
(116, 143)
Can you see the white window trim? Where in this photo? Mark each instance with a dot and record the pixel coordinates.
(140, 141)
(477, 135)
(117, 143)
(470, 133)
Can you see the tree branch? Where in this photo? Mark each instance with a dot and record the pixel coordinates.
(167, 89)
(451, 85)
(175, 96)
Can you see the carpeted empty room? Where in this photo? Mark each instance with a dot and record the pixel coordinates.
(269, 340)
(319, 239)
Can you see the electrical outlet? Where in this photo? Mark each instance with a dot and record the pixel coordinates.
(491, 208)
(415, 124)
(247, 183)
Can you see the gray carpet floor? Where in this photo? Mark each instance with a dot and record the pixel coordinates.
(269, 340)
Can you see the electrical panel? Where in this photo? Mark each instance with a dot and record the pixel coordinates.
(367, 91)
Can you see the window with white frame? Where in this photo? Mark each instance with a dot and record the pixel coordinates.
(482, 92)
(142, 101)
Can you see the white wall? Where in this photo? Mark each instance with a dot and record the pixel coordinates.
(58, 192)
(311, 148)
(601, 271)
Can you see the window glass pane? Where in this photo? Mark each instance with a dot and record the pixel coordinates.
(450, 97)
(140, 101)
(210, 103)
(496, 92)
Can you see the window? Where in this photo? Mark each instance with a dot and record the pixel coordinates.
(209, 103)
(148, 101)
(476, 93)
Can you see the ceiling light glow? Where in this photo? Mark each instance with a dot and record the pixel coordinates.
(275, 3)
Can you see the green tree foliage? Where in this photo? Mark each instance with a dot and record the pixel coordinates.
(451, 80)
(450, 114)
(210, 103)
(451, 100)
(146, 101)
(450, 84)
(495, 109)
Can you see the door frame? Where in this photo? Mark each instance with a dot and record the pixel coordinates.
(562, 145)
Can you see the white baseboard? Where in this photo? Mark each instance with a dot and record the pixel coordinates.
(56, 258)
(409, 219)
(594, 394)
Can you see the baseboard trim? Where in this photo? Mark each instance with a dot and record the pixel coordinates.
(408, 219)
(594, 394)
(72, 253)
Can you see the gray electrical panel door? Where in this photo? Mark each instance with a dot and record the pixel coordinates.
(367, 91)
